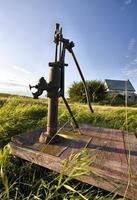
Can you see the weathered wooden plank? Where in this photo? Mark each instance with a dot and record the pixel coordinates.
(103, 180)
(110, 153)
(37, 157)
(110, 147)
(131, 150)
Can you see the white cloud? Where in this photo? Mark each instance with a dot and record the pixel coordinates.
(21, 69)
(14, 87)
(127, 2)
(130, 68)
(16, 79)
(132, 62)
(127, 56)
(12, 83)
(131, 45)
(132, 48)
(135, 61)
(130, 71)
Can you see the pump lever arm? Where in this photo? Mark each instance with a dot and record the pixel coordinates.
(69, 46)
(83, 79)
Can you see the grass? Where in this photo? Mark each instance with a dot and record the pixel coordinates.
(105, 116)
(22, 180)
(19, 115)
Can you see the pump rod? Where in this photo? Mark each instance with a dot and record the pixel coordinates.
(62, 60)
(83, 80)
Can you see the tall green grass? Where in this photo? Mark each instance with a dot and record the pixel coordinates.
(104, 116)
(21, 180)
(18, 115)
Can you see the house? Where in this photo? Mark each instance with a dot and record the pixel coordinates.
(123, 87)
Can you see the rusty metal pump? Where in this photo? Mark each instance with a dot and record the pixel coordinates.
(55, 84)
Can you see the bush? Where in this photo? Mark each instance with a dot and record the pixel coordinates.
(96, 91)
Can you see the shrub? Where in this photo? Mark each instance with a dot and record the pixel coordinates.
(96, 91)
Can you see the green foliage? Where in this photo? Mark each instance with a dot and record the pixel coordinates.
(96, 90)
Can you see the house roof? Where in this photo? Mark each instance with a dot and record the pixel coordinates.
(119, 85)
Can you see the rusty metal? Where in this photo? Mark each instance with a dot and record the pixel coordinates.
(55, 85)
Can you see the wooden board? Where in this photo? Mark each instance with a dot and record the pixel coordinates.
(111, 148)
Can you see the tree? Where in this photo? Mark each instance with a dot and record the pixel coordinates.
(96, 90)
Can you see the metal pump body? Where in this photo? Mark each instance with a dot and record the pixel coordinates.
(55, 84)
(53, 93)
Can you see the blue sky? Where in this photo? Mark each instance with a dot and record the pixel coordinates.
(104, 33)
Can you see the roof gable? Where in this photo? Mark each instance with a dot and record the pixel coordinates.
(119, 85)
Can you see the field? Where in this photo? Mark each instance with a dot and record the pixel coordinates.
(22, 180)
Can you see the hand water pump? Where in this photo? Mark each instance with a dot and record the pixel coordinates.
(55, 84)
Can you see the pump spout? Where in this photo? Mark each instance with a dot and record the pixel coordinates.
(41, 86)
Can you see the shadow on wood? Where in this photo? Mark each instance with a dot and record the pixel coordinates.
(110, 146)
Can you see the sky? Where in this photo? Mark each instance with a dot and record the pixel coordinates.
(104, 33)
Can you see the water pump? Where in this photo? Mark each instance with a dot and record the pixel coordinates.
(55, 84)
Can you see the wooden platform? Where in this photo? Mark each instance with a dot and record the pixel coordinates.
(110, 146)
